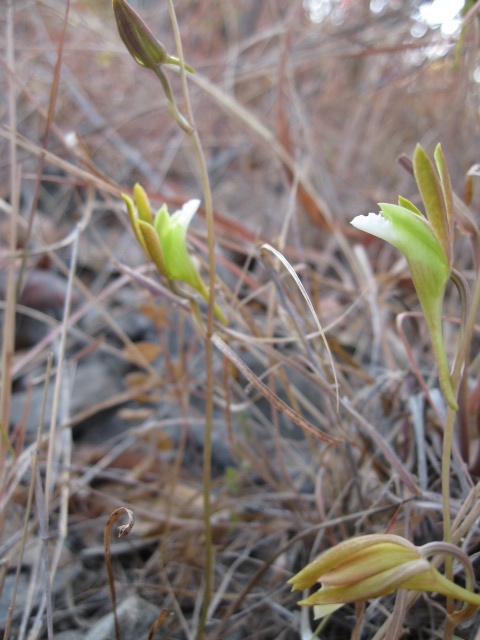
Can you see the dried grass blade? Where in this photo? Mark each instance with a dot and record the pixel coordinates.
(299, 420)
(29, 501)
(46, 138)
(43, 524)
(305, 295)
(157, 624)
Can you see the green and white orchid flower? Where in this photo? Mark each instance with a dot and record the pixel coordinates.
(163, 238)
(427, 244)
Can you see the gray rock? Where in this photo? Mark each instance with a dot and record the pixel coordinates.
(136, 617)
(20, 600)
(69, 635)
(94, 380)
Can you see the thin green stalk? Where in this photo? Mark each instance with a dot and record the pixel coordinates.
(447, 524)
(207, 450)
(469, 312)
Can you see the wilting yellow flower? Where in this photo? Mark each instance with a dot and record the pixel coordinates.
(427, 244)
(164, 240)
(368, 567)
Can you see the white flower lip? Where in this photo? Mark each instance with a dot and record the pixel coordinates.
(377, 225)
(183, 216)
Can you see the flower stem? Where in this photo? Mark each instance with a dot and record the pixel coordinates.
(207, 450)
(469, 312)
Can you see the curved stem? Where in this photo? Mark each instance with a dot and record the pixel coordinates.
(172, 105)
(448, 549)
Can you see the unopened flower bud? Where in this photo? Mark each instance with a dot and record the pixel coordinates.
(139, 40)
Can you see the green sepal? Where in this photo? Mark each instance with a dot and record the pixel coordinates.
(153, 246)
(431, 192)
(134, 221)
(143, 204)
(434, 582)
(142, 45)
(406, 204)
(446, 187)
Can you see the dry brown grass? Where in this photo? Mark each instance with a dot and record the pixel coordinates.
(302, 124)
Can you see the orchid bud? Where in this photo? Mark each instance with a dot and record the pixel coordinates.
(146, 50)
(144, 47)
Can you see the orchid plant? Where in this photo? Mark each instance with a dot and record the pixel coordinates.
(427, 244)
(379, 564)
(163, 236)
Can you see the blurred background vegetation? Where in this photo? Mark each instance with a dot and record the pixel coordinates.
(303, 109)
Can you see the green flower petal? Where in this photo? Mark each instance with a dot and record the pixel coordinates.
(172, 234)
(164, 240)
(369, 562)
(162, 221)
(415, 237)
(322, 610)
